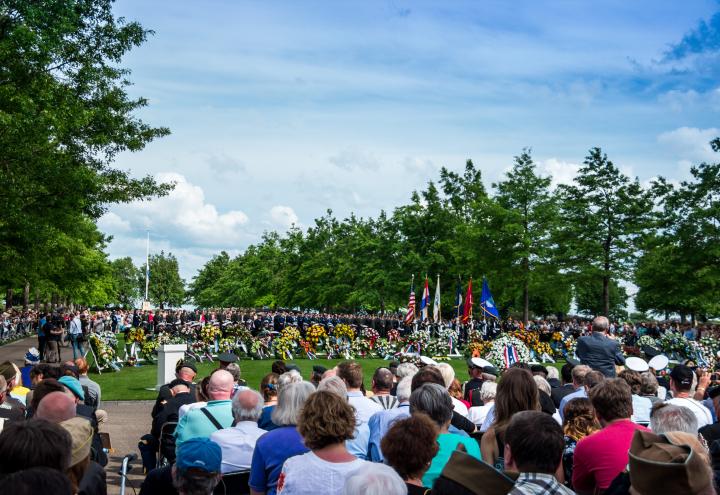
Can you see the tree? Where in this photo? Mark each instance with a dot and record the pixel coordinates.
(202, 290)
(166, 287)
(530, 222)
(125, 276)
(65, 115)
(604, 215)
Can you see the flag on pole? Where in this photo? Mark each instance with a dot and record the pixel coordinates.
(467, 309)
(458, 301)
(486, 301)
(436, 303)
(425, 301)
(410, 315)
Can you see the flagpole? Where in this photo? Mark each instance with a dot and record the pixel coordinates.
(147, 266)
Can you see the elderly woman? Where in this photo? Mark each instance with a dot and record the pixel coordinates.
(477, 414)
(434, 400)
(276, 446)
(327, 420)
(409, 447)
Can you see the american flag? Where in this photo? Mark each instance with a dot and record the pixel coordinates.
(410, 315)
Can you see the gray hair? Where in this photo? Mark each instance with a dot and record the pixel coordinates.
(375, 479)
(669, 417)
(488, 390)
(433, 400)
(600, 324)
(542, 384)
(291, 399)
(334, 384)
(404, 389)
(648, 383)
(188, 482)
(553, 372)
(406, 369)
(447, 372)
(234, 370)
(289, 377)
(247, 405)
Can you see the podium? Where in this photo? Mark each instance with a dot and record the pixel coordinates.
(168, 356)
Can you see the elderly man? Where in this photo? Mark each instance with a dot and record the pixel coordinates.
(56, 407)
(598, 351)
(181, 395)
(197, 469)
(578, 381)
(215, 415)
(380, 422)
(185, 372)
(667, 417)
(238, 443)
(382, 382)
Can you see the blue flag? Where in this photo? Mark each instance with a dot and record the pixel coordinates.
(486, 301)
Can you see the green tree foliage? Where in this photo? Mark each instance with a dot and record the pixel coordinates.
(65, 115)
(125, 276)
(166, 287)
(604, 215)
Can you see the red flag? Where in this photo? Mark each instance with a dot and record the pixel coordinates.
(410, 315)
(467, 308)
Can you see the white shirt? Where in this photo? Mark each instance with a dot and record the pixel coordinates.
(307, 474)
(75, 326)
(364, 407)
(237, 444)
(459, 407)
(641, 410)
(477, 414)
(701, 412)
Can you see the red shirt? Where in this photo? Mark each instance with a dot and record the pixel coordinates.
(600, 457)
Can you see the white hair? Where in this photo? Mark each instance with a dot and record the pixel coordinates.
(404, 389)
(247, 405)
(289, 377)
(334, 384)
(406, 369)
(375, 479)
(447, 372)
(542, 384)
(291, 399)
(552, 372)
(488, 390)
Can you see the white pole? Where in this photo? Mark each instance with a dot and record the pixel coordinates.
(147, 265)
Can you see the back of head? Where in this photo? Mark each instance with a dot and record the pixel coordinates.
(234, 370)
(488, 391)
(516, 392)
(669, 417)
(36, 480)
(406, 369)
(579, 419)
(334, 384)
(352, 373)
(278, 367)
(578, 374)
(429, 374)
(44, 388)
(410, 445)
(434, 400)
(404, 389)
(221, 385)
(269, 386)
(82, 366)
(542, 384)
(612, 399)
(633, 379)
(375, 479)
(566, 372)
(289, 377)
(552, 373)
(197, 468)
(536, 442)
(247, 405)
(382, 379)
(291, 399)
(447, 372)
(34, 443)
(592, 378)
(648, 383)
(600, 324)
(326, 419)
(56, 407)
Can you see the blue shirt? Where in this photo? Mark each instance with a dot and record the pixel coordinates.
(380, 423)
(271, 451)
(265, 421)
(578, 394)
(196, 424)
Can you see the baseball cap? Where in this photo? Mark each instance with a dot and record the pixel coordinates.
(73, 385)
(199, 453)
(227, 357)
(682, 375)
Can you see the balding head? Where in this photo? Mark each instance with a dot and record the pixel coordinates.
(221, 385)
(56, 407)
(247, 405)
(600, 324)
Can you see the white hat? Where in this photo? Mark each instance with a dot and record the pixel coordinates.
(426, 360)
(659, 362)
(636, 364)
(479, 362)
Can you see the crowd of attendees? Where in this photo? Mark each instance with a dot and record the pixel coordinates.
(526, 430)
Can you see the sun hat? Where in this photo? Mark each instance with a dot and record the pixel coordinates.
(81, 432)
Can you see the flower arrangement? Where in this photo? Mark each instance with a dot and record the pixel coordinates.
(477, 349)
(417, 341)
(394, 335)
(187, 332)
(557, 337)
(260, 347)
(209, 333)
(200, 347)
(506, 350)
(227, 345)
(283, 347)
(646, 340)
(673, 343)
(449, 336)
(360, 347)
(104, 353)
(385, 348)
(135, 335)
(475, 336)
(369, 334)
(290, 333)
(148, 349)
(343, 331)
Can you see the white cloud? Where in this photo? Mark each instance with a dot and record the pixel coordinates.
(352, 158)
(690, 143)
(421, 166)
(283, 216)
(561, 172)
(111, 222)
(679, 100)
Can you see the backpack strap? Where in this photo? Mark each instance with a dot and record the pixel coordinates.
(212, 419)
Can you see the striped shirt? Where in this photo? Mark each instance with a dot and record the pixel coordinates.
(386, 401)
(539, 484)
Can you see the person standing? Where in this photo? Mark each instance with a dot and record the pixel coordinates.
(75, 334)
(598, 351)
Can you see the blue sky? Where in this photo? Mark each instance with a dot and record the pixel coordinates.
(280, 110)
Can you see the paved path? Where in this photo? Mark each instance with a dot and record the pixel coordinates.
(15, 351)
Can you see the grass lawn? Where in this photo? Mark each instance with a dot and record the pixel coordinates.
(131, 383)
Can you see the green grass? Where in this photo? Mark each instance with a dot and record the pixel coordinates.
(132, 383)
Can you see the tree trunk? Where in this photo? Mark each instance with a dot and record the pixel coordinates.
(37, 300)
(526, 291)
(683, 319)
(26, 296)
(8, 299)
(606, 295)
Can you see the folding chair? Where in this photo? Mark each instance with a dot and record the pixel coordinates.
(166, 450)
(236, 483)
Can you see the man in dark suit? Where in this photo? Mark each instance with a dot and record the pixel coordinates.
(185, 372)
(567, 387)
(598, 351)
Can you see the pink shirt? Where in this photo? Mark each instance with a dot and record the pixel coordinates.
(600, 457)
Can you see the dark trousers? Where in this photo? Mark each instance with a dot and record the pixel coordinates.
(42, 343)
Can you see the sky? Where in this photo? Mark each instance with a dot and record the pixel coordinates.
(282, 110)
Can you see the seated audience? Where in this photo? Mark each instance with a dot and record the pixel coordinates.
(546, 404)
(448, 374)
(516, 392)
(334, 384)
(92, 386)
(197, 469)
(381, 421)
(180, 395)
(36, 480)
(269, 391)
(566, 387)
(374, 479)
(578, 382)
(666, 417)
(317, 374)
(600, 457)
(477, 414)
(86, 476)
(430, 374)
(641, 405)
(579, 422)
(56, 407)
(185, 372)
(34, 443)
(238, 442)
(433, 399)
(325, 423)
(10, 410)
(681, 382)
(649, 387)
(409, 447)
(403, 370)
(382, 382)
(276, 446)
(534, 447)
(352, 374)
(216, 415)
